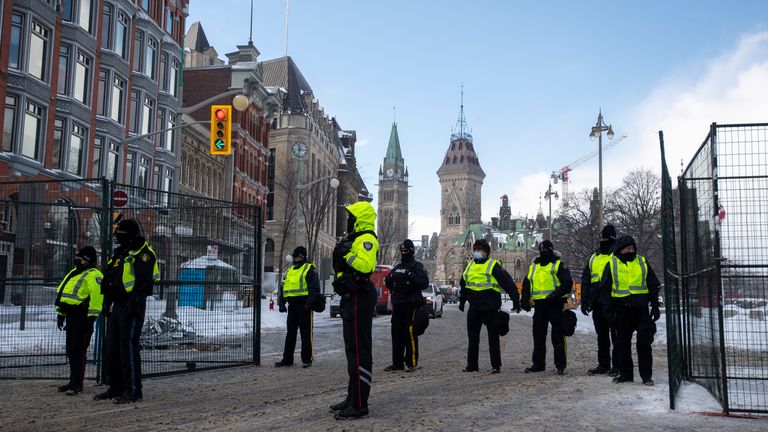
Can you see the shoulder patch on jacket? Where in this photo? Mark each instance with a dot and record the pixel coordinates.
(368, 246)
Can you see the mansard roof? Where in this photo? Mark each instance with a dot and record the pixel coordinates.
(283, 72)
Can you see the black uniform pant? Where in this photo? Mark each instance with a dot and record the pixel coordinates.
(629, 320)
(357, 320)
(123, 359)
(607, 350)
(79, 331)
(299, 319)
(475, 321)
(544, 314)
(404, 339)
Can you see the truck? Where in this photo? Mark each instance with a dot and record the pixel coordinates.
(383, 306)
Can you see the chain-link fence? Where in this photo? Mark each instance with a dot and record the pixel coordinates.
(203, 312)
(724, 264)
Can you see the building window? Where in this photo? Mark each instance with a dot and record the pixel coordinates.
(129, 168)
(17, 25)
(98, 147)
(147, 116)
(82, 77)
(138, 41)
(78, 12)
(135, 112)
(63, 84)
(169, 21)
(163, 80)
(170, 134)
(271, 185)
(121, 35)
(142, 177)
(145, 5)
(33, 130)
(66, 10)
(113, 156)
(58, 142)
(76, 149)
(106, 27)
(102, 103)
(118, 99)
(109, 159)
(9, 122)
(85, 15)
(151, 58)
(38, 49)
(173, 77)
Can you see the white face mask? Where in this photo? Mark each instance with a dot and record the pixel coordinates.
(478, 255)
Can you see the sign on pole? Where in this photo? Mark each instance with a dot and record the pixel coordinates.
(119, 198)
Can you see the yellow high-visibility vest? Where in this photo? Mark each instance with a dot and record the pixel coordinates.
(543, 279)
(295, 283)
(83, 287)
(597, 264)
(629, 277)
(479, 277)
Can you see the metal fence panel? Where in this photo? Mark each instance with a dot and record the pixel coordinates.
(202, 313)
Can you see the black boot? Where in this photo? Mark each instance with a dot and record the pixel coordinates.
(600, 370)
(340, 406)
(109, 394)
(534, 368)
(350, 412)
(282, 363)
(63, 388)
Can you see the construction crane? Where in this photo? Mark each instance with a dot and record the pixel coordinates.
(562, 173)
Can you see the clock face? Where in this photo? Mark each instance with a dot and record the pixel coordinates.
(300, 149)
(390, 171)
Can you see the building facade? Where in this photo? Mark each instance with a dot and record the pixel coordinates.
(461, 183)
(392, 222)
(85, 81)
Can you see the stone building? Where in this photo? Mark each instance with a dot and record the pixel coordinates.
(392, 222)
(461, 182)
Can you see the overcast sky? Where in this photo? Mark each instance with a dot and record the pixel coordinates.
(535, 75)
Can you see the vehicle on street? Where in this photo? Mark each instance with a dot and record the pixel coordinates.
(334, 305)
(433, 301)
(450, 294)
(383, 306)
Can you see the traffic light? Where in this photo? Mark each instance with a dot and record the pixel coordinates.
(221, 129)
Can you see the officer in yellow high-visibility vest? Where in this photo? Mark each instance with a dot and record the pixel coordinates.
(627, 288)
(128, 279)
(481, 284)
(354, 260)
(78, 304)
(301, 286)
(547, 284)
(607, 358)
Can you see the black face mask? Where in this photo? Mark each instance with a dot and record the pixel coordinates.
(605, 245)
(351, 224)
(546, 255)
(122, 238)
(407, 256)
(627, 257)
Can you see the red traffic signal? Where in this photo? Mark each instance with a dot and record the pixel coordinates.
(221, 130)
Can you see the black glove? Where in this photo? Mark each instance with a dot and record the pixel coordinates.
(526, 306)
(516, 307)
(461, 306)
(585, 308)
(655, 312)
(60, 322)
(338, 261)
(281, 307)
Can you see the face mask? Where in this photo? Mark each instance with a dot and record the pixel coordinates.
(629, 256)
(122, 238)
(478, 255)
(351, 224)
(605, 245)
(546, 254)
(80, 264)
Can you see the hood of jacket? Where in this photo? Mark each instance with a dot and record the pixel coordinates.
(365, 216)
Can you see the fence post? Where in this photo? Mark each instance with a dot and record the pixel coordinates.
(99, 353)
(718, 263)
(257, 290)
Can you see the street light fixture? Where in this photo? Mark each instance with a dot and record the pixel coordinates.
(597, 133)
(548, 195)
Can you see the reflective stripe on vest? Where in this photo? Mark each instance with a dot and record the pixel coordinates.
(295, 281)
(543, 279)
(597, 266)
(129, 273)
(77, 284)
(629, 278)
(478, 277)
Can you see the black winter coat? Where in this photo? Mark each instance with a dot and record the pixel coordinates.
(406, 281)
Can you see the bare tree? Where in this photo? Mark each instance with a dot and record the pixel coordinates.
(285, 185)
(386, 231)
(315, 203)
(574, 231)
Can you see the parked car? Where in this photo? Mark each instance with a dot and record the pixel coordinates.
(334, 305)
(434, 301)
(383, 306)
(450, 294)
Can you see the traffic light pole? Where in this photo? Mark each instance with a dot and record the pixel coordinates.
(131, 139)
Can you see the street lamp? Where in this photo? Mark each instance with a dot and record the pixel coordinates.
(548, 195)
(597, 132)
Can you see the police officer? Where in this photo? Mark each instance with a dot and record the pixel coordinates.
(78, 304)
(481, 284)
(128, 280)
(627, 288)
(354, 259)
(300, 287)
(405, 283)
(547, 284)
(590, 283)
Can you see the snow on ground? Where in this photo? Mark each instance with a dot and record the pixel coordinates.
(693, 398)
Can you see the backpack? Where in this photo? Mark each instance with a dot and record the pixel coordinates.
(420, 321)
(568, 323)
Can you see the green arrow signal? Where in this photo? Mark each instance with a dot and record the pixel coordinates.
(219, 143)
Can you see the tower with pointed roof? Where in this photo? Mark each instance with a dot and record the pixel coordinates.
(392, 217)
(461, 182)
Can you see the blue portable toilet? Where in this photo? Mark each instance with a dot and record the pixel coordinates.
(203, 270)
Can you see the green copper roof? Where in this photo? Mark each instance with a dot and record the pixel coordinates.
(394, 155)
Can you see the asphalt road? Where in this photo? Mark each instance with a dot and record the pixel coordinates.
(437, 397)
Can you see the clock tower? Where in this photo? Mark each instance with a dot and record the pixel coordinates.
(392, 218)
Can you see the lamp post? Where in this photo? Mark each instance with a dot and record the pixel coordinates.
(597, 132)
(548, 195)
